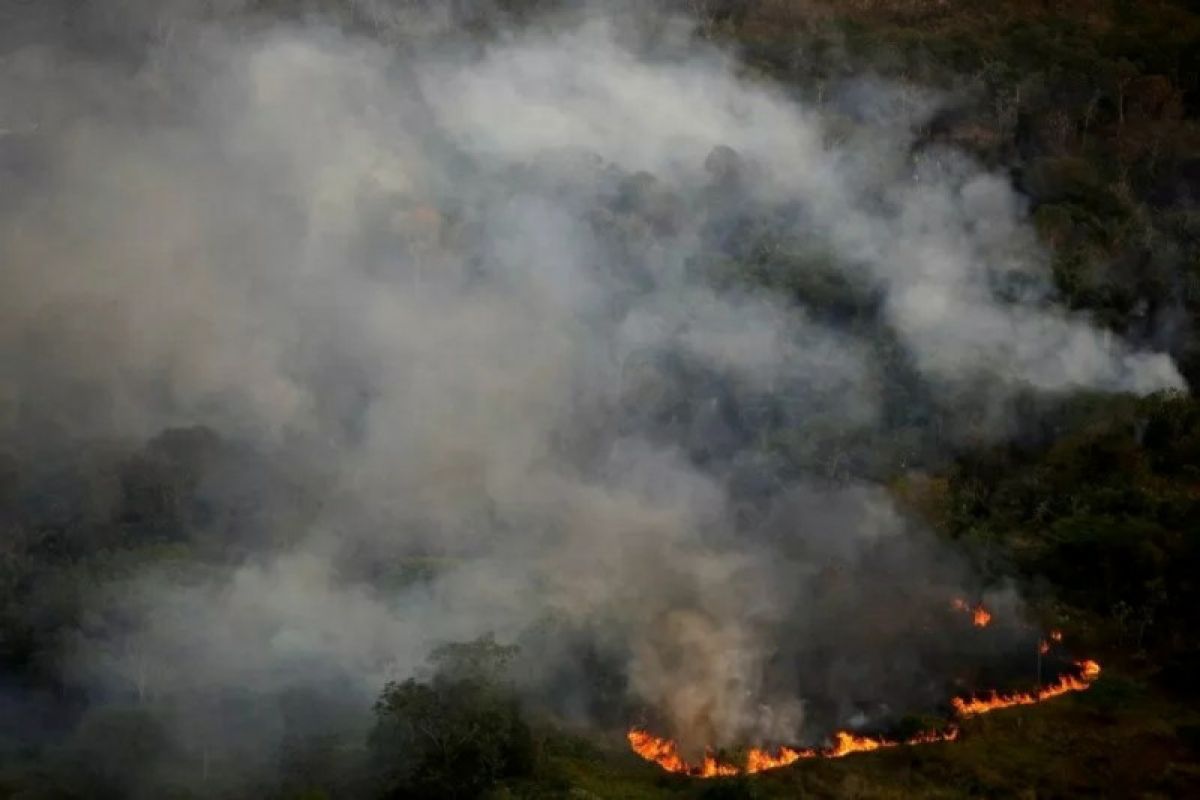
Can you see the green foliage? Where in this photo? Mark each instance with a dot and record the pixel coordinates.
(455, 736)
(482, 661)
(1091, 105)
(1106, 514)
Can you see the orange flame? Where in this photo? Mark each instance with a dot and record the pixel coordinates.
(665, 753)
(980, 616)
(762, 760)
(974, 706)
(715, 769)
(661, 751)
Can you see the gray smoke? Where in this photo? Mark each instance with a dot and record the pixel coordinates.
(472, 287)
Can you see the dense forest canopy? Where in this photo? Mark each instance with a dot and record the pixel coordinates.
(404, 399)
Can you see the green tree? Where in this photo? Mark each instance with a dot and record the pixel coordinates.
(456, 735)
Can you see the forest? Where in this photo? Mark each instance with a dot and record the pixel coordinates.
(407, 399)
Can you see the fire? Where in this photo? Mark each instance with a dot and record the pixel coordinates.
(974, 706)
(948, 734)
(661, 751)
(846, 743)
(714, 769)
(761, 760)
(980, 616)
(665, 753)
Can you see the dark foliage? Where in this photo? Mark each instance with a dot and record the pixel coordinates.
(456, 735)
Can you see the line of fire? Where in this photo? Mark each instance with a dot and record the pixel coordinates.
(666, 754)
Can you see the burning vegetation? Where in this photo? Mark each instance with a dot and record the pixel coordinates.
(665, 752)
(980, 616)
(1065, 684)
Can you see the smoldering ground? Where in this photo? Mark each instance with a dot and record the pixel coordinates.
(485, 302)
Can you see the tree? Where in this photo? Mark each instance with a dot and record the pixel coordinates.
(456, 735)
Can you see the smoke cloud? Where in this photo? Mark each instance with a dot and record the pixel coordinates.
(480, 295)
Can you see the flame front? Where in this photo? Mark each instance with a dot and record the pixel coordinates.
(665, 752)
(661, 751)
(761, 760)
(714, 769)
(974, 706)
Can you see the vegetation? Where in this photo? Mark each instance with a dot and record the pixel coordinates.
(455, 736)
(1091, 106)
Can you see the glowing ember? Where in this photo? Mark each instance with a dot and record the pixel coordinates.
(1043, 647)
(975, 706)
(1056, 636)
